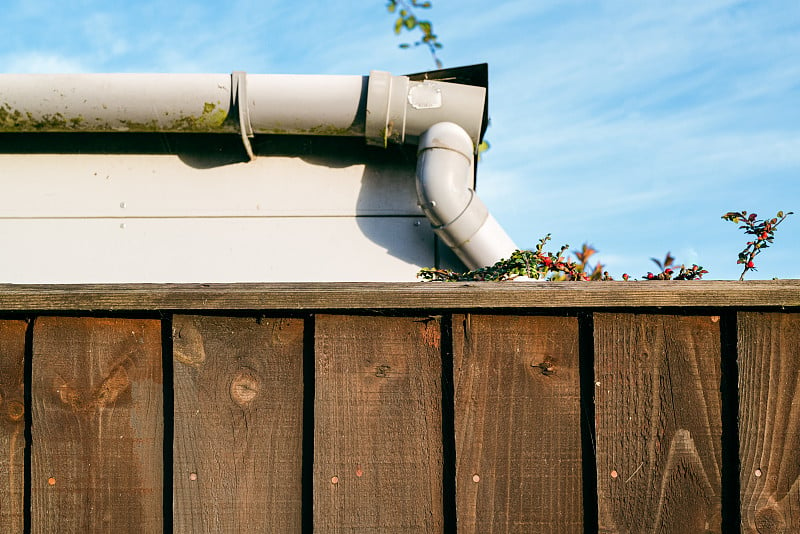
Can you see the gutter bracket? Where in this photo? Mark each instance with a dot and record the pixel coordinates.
(239, 101)
(386, 109)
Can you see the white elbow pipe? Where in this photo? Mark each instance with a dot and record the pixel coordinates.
(445, 166)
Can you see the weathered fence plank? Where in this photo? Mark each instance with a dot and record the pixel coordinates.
(238, 424)
(466, 296)
(769, 417)
(12, 424)
(377, 438)
(97, 425)
(517, 409)
(658, 423)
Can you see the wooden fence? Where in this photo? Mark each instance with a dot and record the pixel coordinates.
(478, 408)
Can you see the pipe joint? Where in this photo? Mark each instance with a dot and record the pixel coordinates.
(240, 103)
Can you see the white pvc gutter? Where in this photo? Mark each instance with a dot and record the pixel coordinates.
(444, 118)
(381, 107)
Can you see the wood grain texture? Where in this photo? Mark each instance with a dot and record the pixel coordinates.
(97, 425)
(517, 410)
(658, 423)
(769, 421)
(12, 424)
(238, 424)
(377, 437)
(413, 295)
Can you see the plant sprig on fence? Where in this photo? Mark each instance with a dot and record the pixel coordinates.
(536, 264)
(539, 264)
(763, 231)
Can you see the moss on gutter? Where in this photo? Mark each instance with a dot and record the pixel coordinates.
(212, 119)
(321, 129)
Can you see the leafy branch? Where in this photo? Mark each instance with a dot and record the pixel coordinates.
(407, 20)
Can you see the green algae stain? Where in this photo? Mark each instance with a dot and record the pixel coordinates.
(212, 118)
(14, 120)
(327, 129)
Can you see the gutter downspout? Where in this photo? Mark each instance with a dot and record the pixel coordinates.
(445, 164)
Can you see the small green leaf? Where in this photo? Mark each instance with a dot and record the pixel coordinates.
(398, 25)
(411, 22)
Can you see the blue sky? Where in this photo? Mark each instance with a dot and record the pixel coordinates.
(632, 126)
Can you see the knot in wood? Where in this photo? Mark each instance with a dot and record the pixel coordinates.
(245, 387)
(15, 410)
(770, 521)
(547, 367)
(188, 345)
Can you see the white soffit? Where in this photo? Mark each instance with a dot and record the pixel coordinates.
(96, 185)
(378, 249)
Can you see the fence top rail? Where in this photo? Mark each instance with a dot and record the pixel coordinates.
(415, 295)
